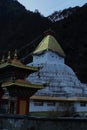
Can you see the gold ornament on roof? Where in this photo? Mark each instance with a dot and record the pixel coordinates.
(15, 54)
(49, 43)
(9, 57)
(3, 59)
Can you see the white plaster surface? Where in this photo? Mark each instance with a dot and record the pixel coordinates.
(59, 80)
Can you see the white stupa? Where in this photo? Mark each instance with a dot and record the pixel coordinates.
(58, 78)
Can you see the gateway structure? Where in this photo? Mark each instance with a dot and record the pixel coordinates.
(62, 87)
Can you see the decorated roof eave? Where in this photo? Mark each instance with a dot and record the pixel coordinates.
(18, 66)
(61, 99)
(24, 85)
(41, 52)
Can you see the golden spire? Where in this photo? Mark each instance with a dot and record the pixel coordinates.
(49, 43)
(15, 54)
(9, 57)
(3, 59)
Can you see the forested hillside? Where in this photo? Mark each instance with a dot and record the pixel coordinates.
(22, 29)
(72, 34)
(19, 26)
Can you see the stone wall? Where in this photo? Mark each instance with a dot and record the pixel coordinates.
(15, 122)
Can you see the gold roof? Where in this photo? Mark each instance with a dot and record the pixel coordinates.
(16, 63)
(21, 83)
(49, 43)
(62, 99)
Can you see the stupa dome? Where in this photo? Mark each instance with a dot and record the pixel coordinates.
(58, 78)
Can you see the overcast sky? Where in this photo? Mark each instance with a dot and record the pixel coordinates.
(47, 7)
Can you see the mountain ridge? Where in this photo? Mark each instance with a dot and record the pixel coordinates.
(19, 28)
(59, 15)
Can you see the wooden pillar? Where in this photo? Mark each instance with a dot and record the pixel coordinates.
(22, 105)
(8, 106)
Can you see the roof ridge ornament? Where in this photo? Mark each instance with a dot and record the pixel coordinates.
(15, 54)
(9, 57)
(3, 59)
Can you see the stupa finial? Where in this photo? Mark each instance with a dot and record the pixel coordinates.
(49, 32)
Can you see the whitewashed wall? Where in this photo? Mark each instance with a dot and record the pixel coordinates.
(59, 79)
